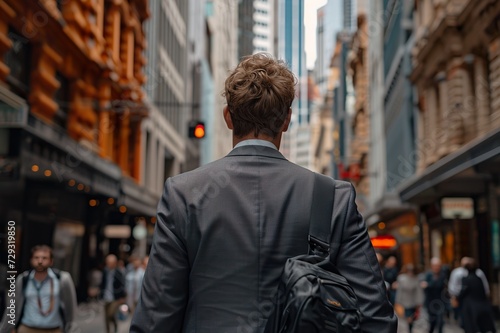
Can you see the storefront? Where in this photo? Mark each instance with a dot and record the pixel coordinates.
(458, 202)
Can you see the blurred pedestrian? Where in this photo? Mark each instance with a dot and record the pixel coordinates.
(45, 297)
(476, 307)
(95, 280)
(455, 285)
(436, 300)
(134, 283)
(224, 231)
(409, 295)
(112, 291)
(390, 273)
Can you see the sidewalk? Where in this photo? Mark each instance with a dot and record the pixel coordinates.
(90, 319)
(422, 326)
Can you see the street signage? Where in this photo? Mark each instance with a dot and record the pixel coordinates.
(457, 208)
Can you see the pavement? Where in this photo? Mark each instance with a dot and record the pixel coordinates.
(422, 325)
(90, 319)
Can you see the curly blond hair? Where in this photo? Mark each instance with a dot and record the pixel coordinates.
(259, 93)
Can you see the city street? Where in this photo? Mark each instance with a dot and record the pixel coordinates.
(91, 320)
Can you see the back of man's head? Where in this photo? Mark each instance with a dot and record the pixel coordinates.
(467, 261)
(259, 93)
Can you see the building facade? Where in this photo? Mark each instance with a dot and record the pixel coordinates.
(256, 27)
(456, 189)
(173, 92)
(392, 126)
(356, 169)
(329, 22)
(221, 57)
(71, 108)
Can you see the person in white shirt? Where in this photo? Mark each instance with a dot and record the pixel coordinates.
(134, 283)
(455, 284)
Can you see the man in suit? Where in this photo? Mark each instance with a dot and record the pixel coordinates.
(225, 230)
(113, 291)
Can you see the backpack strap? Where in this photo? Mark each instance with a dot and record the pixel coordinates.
(321, 213)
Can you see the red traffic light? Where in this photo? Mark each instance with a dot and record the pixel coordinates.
(197, 130)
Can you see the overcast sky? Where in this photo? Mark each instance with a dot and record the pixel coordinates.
(310, 10)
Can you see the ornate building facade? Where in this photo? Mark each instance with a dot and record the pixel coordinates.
(360, 141)
(456, 71)
(71, 106)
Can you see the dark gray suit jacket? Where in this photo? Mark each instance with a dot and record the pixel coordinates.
(223, 234)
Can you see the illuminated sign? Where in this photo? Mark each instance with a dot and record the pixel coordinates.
(384, 242)
(457, 208)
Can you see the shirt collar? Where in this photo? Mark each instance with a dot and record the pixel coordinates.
(50, 273)
(256, 142)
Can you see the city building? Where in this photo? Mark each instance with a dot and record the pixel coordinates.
(329, 22)
(256, 27)
(356, 169)
(456, 70)
(71, 109)
(296, 143)
(173, 92)
(221, 56)
(392, 126)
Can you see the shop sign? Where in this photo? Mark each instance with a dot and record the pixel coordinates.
(495, 243)
(457, 208)
(117, 231)
(384, 242)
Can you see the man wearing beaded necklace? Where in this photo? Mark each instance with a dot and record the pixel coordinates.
(46, 297)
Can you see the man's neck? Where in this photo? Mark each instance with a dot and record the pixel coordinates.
(276, 141)
(40, 276)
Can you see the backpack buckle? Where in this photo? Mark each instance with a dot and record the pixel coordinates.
(318, 247)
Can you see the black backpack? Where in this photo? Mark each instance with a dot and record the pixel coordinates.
(312, 296)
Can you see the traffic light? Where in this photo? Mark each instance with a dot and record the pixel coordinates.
(196, 129)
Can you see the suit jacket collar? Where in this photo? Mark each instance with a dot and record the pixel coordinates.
(256, 150)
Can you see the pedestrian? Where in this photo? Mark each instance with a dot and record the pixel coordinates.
(225, 230)
(145, 261)
(436, 300)
(409, 295)
(112, 291)
(455, 285)
(134, 283)
(476, 307)
(45, 297)
(390, 273)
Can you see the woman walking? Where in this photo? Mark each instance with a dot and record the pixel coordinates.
(409, 294)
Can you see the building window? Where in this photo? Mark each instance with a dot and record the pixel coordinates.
(62, 98)
(18, 59)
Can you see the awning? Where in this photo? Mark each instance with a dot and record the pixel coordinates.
(466, 170)
(387, 208)
(137, 199)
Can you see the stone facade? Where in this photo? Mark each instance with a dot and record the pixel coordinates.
(85, 64)
(456, 69)
(358, 63)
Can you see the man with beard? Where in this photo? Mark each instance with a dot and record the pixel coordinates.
(45, 298)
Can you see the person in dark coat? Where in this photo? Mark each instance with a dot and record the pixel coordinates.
(476, 308)
(113, 291)
(436, 301)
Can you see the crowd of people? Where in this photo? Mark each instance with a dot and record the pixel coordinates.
(461, 294)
